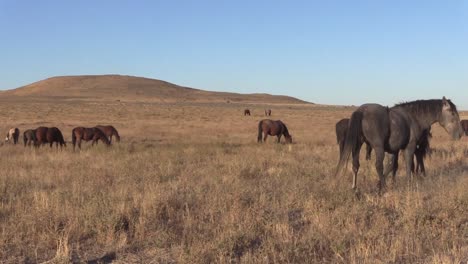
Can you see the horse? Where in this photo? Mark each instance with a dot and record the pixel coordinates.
(87, 134)
(29, 136)
(13, 134)
(464, 125)
(273, 128)
(267, 112)
(420, 153)
(49, 135)
(246, 112)
(109, 131)
(393, 129)
(340, 129)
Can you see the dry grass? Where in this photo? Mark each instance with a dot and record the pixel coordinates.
(189, 184)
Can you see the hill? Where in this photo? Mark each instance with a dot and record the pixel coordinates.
(129, 88)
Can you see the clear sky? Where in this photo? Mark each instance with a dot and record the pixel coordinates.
(330, 52)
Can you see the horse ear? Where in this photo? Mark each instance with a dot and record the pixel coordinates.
(445, 103)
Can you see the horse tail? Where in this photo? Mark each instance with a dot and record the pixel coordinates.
(351, 144)
(259, 138)
(73, 137)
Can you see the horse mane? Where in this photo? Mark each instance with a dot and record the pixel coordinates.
(432, 106)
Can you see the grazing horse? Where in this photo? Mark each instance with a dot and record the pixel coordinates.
(55, 135)
(246, 112)
(87, 134)
(394, 129)
(340, 129)
(464, 125)
(49, 135)
(13, 134)
(29, 136)
(109, 131)
(273, 128)
(267, 112)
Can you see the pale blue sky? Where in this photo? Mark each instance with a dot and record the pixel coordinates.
(331, 52)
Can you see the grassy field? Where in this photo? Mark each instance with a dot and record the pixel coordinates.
(189, 184)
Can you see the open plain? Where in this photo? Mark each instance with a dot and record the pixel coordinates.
(189, 183)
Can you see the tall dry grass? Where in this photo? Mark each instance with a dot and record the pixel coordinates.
(189, 184)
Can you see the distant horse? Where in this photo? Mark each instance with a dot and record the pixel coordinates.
(246, 112)
(273, 128)
(394, 129)
(340, 129)
(29, 136)
(267, 112)
(49, 135)
(13, 134)
(110, 131)
(464, 125)
(87, 134)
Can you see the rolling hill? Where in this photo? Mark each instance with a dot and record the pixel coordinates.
(130, 88)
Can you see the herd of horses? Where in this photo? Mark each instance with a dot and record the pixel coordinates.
(247, 112)
(50, 135)
(405, 127)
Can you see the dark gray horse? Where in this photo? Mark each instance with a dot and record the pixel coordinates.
(422, 148)
(394, 129)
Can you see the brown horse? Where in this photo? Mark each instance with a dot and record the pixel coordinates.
(29, 136)
(49, 135)
(273, 128)
(464, 125)
(87, 134)
(340, 129)
(109, 131)
(13, 134)
(267, 112)
(246, 112)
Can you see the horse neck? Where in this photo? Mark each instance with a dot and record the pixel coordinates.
(285, 131)
(424, 118)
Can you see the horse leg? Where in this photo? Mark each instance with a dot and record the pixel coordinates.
(379, 159)
(265, 137)
(356, 164)
(279, 138)
(392, 166)
(341, 147)
(409, 153)
(420, 164)
(368, 151)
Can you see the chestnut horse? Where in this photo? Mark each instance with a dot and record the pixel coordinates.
(246, 112)
(273, 128)
(29, 136)
(49, 135)
(87, 134)
(13, 134)
(464, 125)
(267, 112)
(109, 131)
